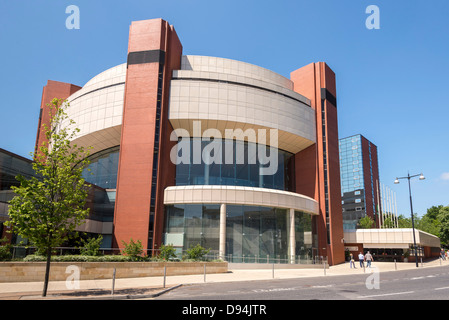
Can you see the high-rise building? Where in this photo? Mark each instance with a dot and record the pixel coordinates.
(180, 146)
(360, 186)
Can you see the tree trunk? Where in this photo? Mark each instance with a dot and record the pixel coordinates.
(47, 272)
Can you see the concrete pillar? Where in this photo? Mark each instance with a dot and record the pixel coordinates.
(292, 238)
(222, 243)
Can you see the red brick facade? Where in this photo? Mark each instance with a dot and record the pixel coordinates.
(323, 183)
(135, 215)
(53, 89)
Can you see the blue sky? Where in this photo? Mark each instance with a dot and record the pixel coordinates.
(390, 82)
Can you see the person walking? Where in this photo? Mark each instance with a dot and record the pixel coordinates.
(361, 260)
(351, 261)
(368, 258)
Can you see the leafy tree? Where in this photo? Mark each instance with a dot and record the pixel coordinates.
(433, 222)
(47, 208)
(443, 218)
(434, 211)
(388, 222)
(429, 224)
(366, 222)
(404, 222)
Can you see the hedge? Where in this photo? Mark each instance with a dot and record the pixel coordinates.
(79, 258)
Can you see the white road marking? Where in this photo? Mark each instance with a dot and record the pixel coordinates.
(385, 294)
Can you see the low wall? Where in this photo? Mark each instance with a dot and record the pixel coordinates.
(35, 271)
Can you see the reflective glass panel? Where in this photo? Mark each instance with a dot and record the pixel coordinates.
(230, 162)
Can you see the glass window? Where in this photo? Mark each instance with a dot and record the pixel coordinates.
(103, 167)
(239, 167)
(193, 225)
(210, 226)
(253, 233)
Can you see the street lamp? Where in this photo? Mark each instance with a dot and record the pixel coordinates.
(408, 177)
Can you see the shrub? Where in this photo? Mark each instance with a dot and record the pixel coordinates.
(134, 250)
(196, 253)
(91, 246)
(5, 250)
(79, 258)
(167, 252)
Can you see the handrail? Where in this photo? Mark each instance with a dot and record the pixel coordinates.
(22, 251)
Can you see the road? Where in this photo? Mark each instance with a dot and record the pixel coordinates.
(415, 284)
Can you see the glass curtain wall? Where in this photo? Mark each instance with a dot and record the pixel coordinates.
(254, 234)
(192, 224)
(352, 181)
(103, 167)
(304, 238)
(236, 163)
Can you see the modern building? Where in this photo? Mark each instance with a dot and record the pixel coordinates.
(196, 149)
(360, 186)
(11, 165)
(98, 201)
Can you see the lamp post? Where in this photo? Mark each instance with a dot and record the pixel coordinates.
(408, 177)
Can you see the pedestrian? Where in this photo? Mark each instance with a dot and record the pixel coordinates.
(368, 258)
(361, 260)
(351, 261)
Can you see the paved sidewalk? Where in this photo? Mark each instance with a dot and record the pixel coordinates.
(130, 288)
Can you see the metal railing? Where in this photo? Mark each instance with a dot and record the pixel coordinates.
(19, 252)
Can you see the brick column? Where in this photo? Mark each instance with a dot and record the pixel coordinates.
(154, 51)
(53, 89)
(317, 168)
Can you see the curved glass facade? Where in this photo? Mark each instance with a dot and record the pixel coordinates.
(103, 167)
(237, 165)
(253, 233)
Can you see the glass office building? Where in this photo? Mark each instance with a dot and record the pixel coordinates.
(359, 180)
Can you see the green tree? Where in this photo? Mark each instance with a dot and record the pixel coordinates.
(429, 224)
(47, 208)
(366, 222)
(404, 222)
(388, 222)
(433, 212)
(443, 218)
